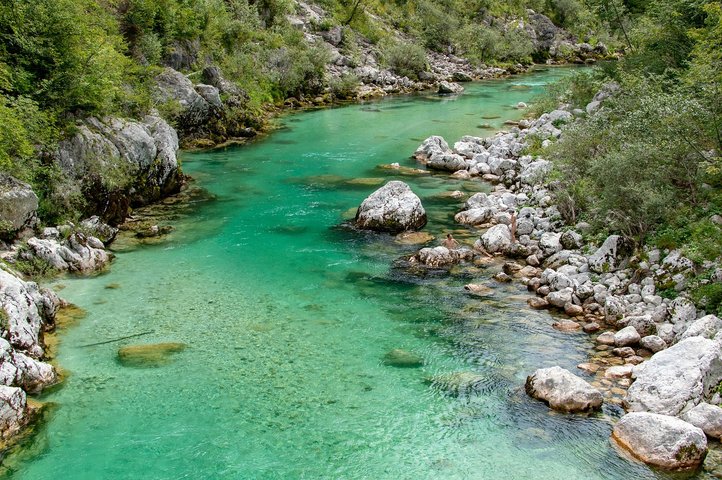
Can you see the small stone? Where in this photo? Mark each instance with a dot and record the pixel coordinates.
(626, 336)
(606, 338)
(621, 371)
(623, 352)
(502, 277)
(573, 310)
(566, 326)
(538, 303)
(591, 327)
(588, 367)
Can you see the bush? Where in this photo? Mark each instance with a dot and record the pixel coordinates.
(639, 157)
(345, 87)
(406, 59)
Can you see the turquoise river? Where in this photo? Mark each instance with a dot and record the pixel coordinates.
(287, 316)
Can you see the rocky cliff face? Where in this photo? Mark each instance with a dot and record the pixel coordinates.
(115, 163)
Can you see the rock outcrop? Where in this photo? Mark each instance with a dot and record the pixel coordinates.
(392, 208)
(25, 312)
(563, 390)
(115, 164)
(661, 440)
(18, 206)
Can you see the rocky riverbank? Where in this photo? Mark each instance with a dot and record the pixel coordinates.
(657, 358)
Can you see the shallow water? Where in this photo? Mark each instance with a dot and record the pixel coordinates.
(287, 319)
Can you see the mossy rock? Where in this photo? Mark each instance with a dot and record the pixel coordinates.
(413, 238)
(370, 181)
(402, 359)
(150, 355)
(69, 315)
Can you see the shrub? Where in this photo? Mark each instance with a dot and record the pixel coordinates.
(406, 59)
(345, 87)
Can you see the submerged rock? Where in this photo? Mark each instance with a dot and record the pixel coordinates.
(661, 440)
(392, 208)
(563, 390)
(402, 359)
(151, 355)
(457, 383)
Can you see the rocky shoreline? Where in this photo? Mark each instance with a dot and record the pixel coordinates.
(659, 359)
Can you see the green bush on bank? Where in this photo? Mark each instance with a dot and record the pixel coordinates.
(648, 164)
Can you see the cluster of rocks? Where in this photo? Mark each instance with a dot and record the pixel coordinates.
(665, 351)
(70, 248)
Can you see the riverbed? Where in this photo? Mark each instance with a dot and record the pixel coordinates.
(287, 316)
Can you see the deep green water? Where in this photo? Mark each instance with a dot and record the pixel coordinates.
(287, 319)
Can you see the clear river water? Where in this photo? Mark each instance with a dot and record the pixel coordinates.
(287, 318)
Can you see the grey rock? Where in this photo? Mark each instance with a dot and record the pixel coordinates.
(443, 257)
(661, 440)
(653, 343)
(94, 227)
(450, 162)
(13, 410)
(450, 88)
(707, 327)
(626, 337)
(707, 417)
(676, 379)
(496, 239)
(18, 205)
(173, 86)
(611, 256)
(571, 240)
(392, 208)
(563, 390)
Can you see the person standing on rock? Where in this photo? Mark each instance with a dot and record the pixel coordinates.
(451, 242)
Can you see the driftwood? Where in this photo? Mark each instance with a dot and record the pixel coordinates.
(117, 339)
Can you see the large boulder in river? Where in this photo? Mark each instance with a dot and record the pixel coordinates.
(450, 88)
(676, 379)
(18, 205)
(392, 208)
(612, 255)
(563, 390)
(450, 162)
(661, 440)
(439, 257)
